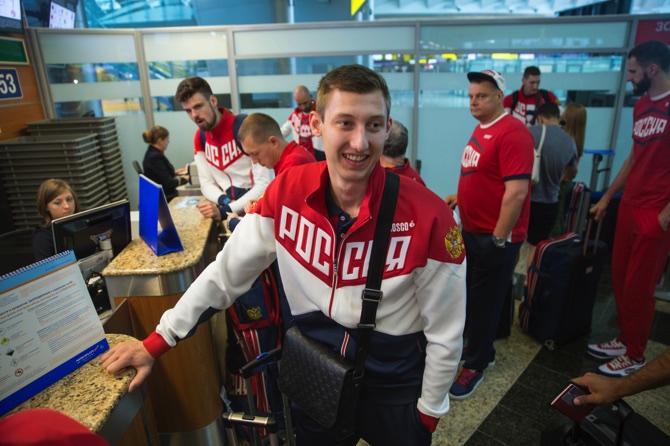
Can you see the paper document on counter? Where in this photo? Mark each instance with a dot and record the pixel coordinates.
(48, 327)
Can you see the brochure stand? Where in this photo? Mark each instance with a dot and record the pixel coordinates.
(154, 210)
(48, 327)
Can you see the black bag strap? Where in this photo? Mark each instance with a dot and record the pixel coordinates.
(372, 293)
(515, 99)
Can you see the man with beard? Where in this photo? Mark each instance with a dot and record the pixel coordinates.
(642, 239)
(228, 179)
(297, 124)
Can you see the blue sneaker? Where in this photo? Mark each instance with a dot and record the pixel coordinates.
(465, 384)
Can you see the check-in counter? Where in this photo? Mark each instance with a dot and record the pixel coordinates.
(100, 401)
(184, 384)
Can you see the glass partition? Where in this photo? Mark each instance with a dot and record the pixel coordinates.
(256, 68)
(574, 35)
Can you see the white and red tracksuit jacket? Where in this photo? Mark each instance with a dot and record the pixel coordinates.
(221, 164)
(422, 313)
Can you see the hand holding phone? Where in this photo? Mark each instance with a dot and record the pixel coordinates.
(564, 403)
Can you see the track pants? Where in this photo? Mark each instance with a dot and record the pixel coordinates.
(638, 258)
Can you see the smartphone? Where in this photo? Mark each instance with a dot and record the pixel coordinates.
(564, 402)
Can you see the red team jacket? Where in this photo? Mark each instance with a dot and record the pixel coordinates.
(423, 285)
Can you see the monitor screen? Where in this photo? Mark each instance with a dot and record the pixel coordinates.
(83, 231)
(60, 16)
(10, 16)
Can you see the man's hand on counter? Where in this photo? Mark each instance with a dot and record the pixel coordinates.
(209, 210)
(129, 354)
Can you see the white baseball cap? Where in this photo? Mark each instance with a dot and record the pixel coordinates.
(494, 77)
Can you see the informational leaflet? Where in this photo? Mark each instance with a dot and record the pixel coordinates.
(48, 327)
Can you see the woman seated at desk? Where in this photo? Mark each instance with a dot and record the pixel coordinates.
(156, 165)
(55, 199)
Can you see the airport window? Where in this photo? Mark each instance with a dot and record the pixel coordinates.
(92, 72)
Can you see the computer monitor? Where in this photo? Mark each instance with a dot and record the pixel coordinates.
(10, 16)
(87, 232)
(60, 16)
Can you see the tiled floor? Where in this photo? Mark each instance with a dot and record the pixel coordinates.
(511, 406)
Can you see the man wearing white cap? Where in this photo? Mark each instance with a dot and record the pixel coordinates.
(494, 202)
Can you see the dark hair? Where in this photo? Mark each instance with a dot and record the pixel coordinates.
(259, 127)
(651, 52)
(549, 110)
(155, 133)
(47, 192)
(353, 79)
(190, 86)
(531, 70)
(396, 143)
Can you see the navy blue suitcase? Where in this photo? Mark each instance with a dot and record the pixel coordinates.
(562, 285)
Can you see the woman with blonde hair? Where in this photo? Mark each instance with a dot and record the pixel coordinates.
(55, 199)
(156, 166)
(573, 121)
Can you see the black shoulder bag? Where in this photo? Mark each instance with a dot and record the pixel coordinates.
(319, 380)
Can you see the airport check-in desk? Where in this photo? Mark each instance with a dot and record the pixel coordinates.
(184, 384)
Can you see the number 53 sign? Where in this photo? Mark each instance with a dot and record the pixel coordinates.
(9, 84)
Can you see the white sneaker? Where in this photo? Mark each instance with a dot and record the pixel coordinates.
(621, 366)
(607, 350)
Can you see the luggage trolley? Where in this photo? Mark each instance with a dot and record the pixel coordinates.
(259, 421)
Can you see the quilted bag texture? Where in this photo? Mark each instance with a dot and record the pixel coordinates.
(319, 381)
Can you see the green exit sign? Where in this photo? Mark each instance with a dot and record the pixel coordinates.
(13, 51)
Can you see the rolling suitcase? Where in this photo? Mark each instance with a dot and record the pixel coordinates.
(614, 425)
(577, 209)
(562, 285)
(264, 425)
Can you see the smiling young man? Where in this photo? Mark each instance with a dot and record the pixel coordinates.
(642, 237)
(494, 203)
(228, 179)
(319, 223)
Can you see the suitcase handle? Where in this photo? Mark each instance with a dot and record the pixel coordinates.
(624, 412)
(251, 367)
(587, 237)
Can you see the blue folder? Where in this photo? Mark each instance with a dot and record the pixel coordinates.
(153, 210)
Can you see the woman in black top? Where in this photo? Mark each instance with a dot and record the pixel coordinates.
(55, 199)
(156, 165)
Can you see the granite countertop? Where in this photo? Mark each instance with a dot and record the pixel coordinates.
(138, 259)
(88, 394)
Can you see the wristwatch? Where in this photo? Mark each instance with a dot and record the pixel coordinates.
(499, 242)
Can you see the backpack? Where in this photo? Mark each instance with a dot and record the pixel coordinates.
(541, 92)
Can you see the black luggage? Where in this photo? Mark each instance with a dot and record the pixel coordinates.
(264, 426)
(614, 425)
(562, 285)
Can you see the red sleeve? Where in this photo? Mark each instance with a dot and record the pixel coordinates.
(156, 345)
(516, 152)
(554, 99)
